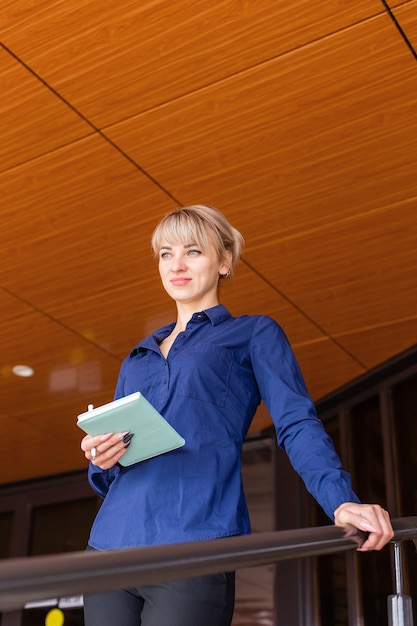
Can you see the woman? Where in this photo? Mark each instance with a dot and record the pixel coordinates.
(206, 374)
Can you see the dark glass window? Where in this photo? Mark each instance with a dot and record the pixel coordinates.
(366, 442)
(56, 528)
(6, 524)
(331, 568)
(62, 526)
(254, 585)
(369, 483)
(404, 405)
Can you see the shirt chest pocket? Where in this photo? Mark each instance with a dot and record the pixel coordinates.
(204, 373)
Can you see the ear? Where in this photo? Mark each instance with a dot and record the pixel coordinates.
(225, 262)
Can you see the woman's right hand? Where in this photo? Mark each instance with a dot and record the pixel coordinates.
(104, 451)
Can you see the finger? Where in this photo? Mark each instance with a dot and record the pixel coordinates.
(370, 518)
(107, 442)
(89, 442)
(92, 445)
(377, 540)
(111, 450)
(109, 458)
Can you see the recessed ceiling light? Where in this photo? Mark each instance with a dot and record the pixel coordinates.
(23, 371)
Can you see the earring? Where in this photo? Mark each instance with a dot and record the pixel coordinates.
(225, 275)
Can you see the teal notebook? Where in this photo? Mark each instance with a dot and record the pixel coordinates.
(153, 435)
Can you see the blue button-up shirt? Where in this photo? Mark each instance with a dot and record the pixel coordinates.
(209, 386)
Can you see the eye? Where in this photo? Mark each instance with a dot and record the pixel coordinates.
(193, 252)
(165, 255)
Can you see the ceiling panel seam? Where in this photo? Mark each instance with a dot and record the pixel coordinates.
(305, 315)
(90, 123)
(201, 88)
(101, 132)
(241, 72)
(58, 322)
(399, 28)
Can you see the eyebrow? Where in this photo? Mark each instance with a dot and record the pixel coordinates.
(186, 246)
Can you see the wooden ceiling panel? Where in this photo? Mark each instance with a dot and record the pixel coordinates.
(393, 4)
(86, 184)
(406, 15)
(249, 294)
(336, 366)
(361, 256)
(33, 120)
(298, 120)
(128, 313)
(19, 461)
(40, 412)
(118, 65)
(68, 370)
(376, 344)
(37, 453)
(271, 129)
(11, 308)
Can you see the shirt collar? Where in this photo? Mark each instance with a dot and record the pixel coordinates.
(216, 315)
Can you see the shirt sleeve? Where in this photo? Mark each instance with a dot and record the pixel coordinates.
(299, 431)
(100, 480)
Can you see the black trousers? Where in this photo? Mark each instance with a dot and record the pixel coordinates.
(201, 601)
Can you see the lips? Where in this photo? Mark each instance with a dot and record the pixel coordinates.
(180, 282)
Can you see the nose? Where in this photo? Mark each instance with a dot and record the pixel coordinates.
(178, 264)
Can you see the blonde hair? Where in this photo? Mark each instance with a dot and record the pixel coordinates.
(200, 224)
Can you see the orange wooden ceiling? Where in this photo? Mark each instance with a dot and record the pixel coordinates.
(298, 120)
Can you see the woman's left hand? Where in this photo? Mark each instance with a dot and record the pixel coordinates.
(370, 518)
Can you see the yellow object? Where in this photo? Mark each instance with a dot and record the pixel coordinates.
(55, 617)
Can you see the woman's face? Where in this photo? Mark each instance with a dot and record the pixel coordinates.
(190, 275)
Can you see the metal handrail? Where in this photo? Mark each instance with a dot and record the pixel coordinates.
(29, 579)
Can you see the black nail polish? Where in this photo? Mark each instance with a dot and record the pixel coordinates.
(128, 438)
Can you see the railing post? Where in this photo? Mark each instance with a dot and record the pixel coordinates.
(400, 610)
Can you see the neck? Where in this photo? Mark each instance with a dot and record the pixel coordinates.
(185, 311)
